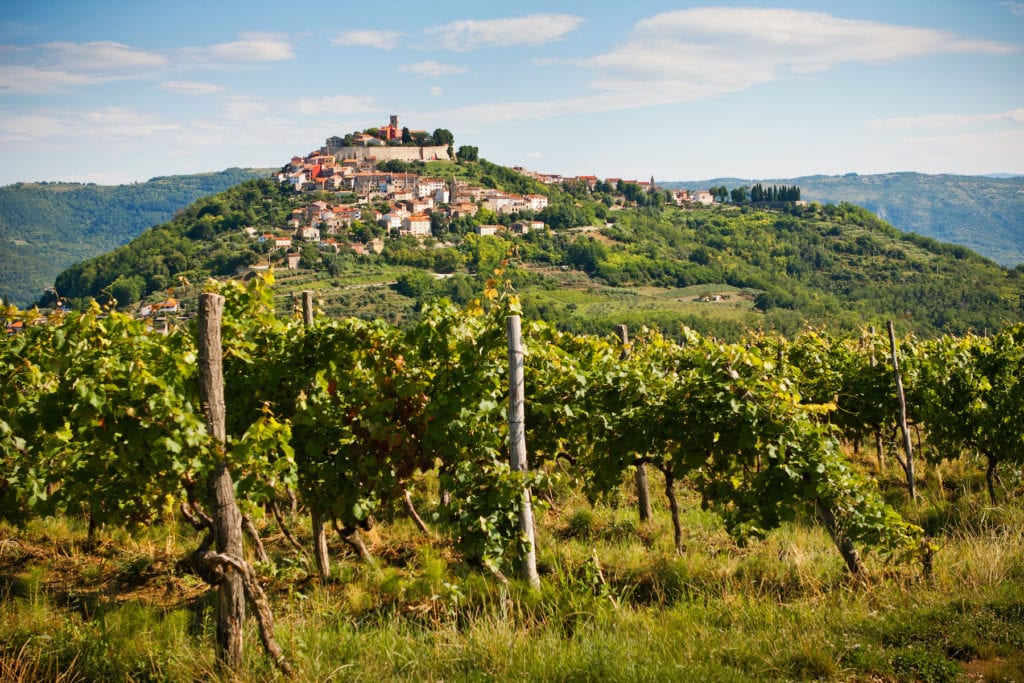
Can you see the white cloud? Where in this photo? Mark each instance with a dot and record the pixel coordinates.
(250, 47)
(102, 56)
(1014, 7)
(59, 66)
(66, 127)
(191, 87)
(1015, 116)
(119, 122)
(469, 117)
(533, 29)
(382, 40)
(535, 155)
(35, 81)
(30, 128)
(431, 69)
(436, 91)
(338, 104)
(699, 53)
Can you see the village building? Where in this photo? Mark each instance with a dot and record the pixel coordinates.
(390, 221)
(308, 233)
(523, 227)
(429, 187)
(416, 224)
(536, 202)
(681, 197)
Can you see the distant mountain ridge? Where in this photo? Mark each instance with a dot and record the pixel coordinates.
(45, 227)
(984, 213)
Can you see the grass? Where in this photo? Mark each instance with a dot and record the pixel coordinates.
(364, 291)
(600, 308)
(616, 603)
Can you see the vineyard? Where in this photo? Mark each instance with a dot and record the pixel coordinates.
(363, 427)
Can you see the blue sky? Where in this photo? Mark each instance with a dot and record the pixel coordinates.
(116, 91)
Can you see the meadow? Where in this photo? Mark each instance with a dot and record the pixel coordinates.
(616, 601)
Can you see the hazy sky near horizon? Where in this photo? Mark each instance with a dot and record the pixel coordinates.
(119, 91)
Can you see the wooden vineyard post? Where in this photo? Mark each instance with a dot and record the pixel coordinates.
(643, 496)
(879, 447)
(908, 465)
(320, 551)
(517, 446)
(227, 520)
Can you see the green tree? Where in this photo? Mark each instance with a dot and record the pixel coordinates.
(586, 253)
(720, 193)
(440, 223)
(484, 253)
(127, 290)
(563, 215)
(417, 284)
(442, 136)
(739, 195)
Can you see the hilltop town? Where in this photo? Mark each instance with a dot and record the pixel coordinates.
(410, 197)
(375, 200)
(390, 183)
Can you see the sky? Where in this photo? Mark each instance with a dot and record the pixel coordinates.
(122, 91)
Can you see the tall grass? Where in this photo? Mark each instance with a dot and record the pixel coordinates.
(616, 603)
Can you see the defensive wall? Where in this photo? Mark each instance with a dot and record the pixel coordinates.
(389, 153)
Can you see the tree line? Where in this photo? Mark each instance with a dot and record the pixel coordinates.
(756, 194)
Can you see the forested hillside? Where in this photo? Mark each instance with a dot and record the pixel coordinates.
(45, 227)
(983, 213)
(837, 266)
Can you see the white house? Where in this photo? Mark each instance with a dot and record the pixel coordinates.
(536, 202)
(416, 224)
(308, 233)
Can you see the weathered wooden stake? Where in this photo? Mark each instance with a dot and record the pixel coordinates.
(841, 540)
(227, 520)
(517, 445)
(673, 507)
(908, 465)
(643, 496)
(410, 509)
(320, 550)
(879, 447)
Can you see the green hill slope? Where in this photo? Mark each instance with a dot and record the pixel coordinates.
(983, 213)
(45, 227)
(838, 266)
(720, 269)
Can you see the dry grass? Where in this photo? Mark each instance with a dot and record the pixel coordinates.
(616, 603)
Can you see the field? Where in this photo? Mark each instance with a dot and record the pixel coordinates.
(570, 298)
(616, 601)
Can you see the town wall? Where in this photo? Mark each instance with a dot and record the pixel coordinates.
(388, 153)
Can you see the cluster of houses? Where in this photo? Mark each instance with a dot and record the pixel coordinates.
(680, 197)
(410, 199)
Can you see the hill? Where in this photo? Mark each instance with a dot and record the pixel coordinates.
(45, 227)
(607, 260)
(984, 213)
